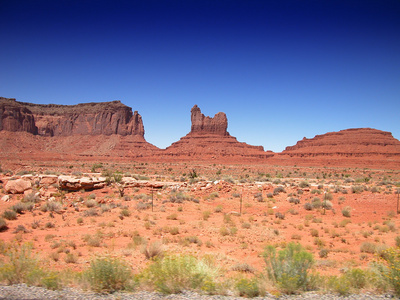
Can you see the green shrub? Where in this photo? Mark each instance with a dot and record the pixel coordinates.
(20, 265)
(173, 274)
(289, 267)
(248, 287)
(391, 259)
(339, 285)
(357, 278)
(107, 275)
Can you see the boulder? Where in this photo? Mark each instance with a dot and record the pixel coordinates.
(5, 198)
(17, 186)
(71, 183)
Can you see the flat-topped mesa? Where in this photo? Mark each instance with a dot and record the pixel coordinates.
(349, 142)
(104, 118)
(206, 125)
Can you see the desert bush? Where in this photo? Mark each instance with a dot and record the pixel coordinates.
(368, 247)
(174, 274)
(125, 212)
(192, 240)
(279, 215)
(316, 202)
(51, 206)
(259, 197)
(3, 225)
(108, 274)
(323, 253)
(339, 285)
(10, 215)
(248, 287)
(19, 207)
(20, 228)
(304, 184)
(356, 189)
(20, 266)
(71, 258)
(294, 200)
(346, 212)
(219, 209)
(243, 268)
(91, 202)
(279, 189)
(289, 267)
(206, 215)
(235, 195)
(308, 206)
(391, 261)
(92, 240)
(143, 205)
(32, 197)
(91, 212)
(246, 225)
(152, 251)
(327, 204)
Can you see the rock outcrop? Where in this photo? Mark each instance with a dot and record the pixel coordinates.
(17, 186)
(14, 116)
(105, 118)
(209, 139)
(202, 124)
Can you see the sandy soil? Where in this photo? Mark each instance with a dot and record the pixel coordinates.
(226, 212)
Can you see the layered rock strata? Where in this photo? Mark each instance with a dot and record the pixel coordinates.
(209, 139)
(354, 142)
(105, 118)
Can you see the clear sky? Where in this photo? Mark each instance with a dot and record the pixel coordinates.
(281, 70)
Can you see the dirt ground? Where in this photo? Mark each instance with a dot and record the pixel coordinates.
(228, 212)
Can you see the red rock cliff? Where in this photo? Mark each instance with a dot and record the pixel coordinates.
(16, 117)
(206, 125)
(105, 118)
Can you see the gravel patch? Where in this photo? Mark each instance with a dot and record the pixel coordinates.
(24, 292)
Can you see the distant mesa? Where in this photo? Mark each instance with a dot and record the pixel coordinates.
(356, 147)
(111, 130)
(349, 143)
(105, 118)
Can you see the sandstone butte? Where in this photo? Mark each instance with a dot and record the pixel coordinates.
(109, 130)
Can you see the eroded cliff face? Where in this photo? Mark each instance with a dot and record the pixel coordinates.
(207, 125)
(209, 139)
(16, 117)
(105, 118)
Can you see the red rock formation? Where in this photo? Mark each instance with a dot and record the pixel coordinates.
(209, 139)
(105, 118)
(16, 117)
(349, 142)
(206, 125)
(359, 147)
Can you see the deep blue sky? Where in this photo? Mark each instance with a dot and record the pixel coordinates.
(280, 70)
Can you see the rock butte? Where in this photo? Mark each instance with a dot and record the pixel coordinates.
(112, 131)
